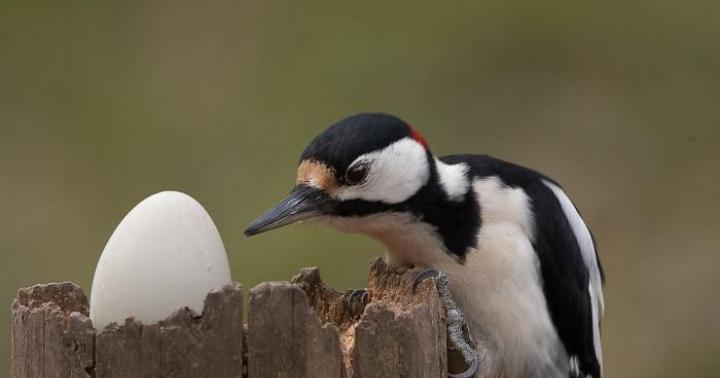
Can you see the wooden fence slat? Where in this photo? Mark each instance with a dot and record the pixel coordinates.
(286, 338)
(51, 335)
(119, 350)
(222, 327)
(388, 344)
(401, 334)
(184, 345)
(299, 329)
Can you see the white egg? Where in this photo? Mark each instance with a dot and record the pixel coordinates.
(166, 253)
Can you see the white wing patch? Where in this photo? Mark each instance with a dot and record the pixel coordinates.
(587, 248)
(500, 203)
(453, 179)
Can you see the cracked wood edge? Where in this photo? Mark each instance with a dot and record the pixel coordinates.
(51, 334)
(304, 330)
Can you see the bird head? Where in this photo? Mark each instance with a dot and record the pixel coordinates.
(369, 173)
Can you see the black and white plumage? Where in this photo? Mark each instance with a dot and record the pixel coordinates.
(520, 261)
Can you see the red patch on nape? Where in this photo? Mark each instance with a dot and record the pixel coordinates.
(417, 136)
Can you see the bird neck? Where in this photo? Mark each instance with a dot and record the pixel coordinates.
(407, 239)
(448, 204)
(441, 220)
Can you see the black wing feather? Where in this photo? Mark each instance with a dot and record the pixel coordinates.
(564, 273)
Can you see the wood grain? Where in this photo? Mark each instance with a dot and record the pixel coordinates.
(51, 335)
(299, 329)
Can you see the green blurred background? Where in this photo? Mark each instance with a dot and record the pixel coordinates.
(102, 104)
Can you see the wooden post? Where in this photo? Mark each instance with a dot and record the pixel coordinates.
(183, 345)
(286, 338)
(298, 329)
(398, 335)
(51, 335)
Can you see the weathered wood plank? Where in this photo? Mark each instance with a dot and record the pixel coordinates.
(184, 345)
(222, 326)
(51, 335)
(298, 329)
(286, 338)
(401, 334)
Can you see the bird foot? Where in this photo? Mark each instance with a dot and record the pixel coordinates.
(458, 331)
(355, 301)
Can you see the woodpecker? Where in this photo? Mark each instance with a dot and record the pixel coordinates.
(519, 260)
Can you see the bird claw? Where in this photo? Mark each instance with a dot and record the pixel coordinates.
(457, 327)
(424, 275)
(470, 372)
(355, 301)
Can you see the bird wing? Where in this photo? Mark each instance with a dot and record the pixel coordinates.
(571, 271)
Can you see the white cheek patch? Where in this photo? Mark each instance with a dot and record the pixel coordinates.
(396, 173)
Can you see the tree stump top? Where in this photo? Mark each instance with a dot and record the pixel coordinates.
(66, 296)
(299, 329)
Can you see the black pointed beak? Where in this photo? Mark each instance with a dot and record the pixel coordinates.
(303, 202)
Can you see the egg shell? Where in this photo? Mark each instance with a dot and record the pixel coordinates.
(165, 254)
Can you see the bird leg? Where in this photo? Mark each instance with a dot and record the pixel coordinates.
(457, 327)
(355, 301)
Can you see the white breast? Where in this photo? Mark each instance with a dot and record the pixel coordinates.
(499, 286)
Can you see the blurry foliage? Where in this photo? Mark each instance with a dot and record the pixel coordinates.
(102, 104)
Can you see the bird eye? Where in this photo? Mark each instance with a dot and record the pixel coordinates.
(357, 173)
